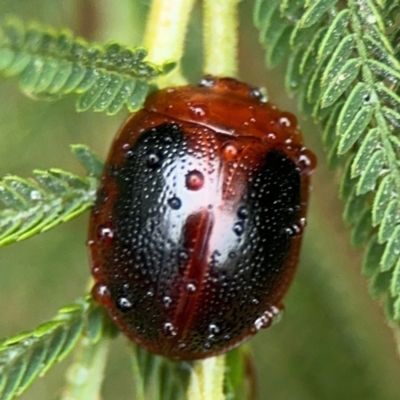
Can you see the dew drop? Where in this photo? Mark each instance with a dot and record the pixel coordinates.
(232, 254)
(153, 160)
(169, 330)
(238, 228)
(270, 137)
(307, 161)
(175, 203)
(213, 330)
(287, 120)
(269, 317)
(194, 180)
(129, 154)
(191, 287)
(183, 255)
(124, 304)
(207, 81)
(262, 322)
(207, 346)
(243, 212)
(229, 151)
(106, 234)
(198, 111)
(100, 292)
(260, 94)
(167, 301)
(35, 195)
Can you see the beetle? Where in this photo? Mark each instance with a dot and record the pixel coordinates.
(195, 234)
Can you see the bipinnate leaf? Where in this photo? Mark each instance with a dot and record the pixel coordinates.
(29, 355)
(32, 206)
(51, 64)
(344, 66)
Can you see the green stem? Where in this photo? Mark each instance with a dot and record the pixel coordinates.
(165, 35)
(221, 37)
(207, 379)
(85, 375)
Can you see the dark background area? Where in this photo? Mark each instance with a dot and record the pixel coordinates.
(333, 342)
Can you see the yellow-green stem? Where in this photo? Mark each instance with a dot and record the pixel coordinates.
(221, 37)
(207, 379)
(85, 375)
(165, 35)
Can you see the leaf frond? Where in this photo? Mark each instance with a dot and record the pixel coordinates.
(51, 64)
(344, 66)
(29, 355)
(32, 206)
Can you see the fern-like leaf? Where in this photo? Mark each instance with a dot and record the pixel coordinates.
(52, 197)
(28, 355)
(52, 64)
(347, 77)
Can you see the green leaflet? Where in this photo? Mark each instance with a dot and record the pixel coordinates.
(373, 170)
(345, 77)
(355, 129)
(52, 64)
(368, 146)
(316, 10)
(338, 59)
(334, 34)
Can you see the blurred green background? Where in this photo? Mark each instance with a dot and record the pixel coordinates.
(333, 342)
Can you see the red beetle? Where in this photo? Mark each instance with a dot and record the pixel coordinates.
(196, 231)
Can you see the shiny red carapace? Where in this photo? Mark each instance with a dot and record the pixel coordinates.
(196, 231)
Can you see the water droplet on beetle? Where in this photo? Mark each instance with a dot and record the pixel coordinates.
(307, 161)
(207, 346)
(194, 180)
(287, 120)
(213, 330)
(269, 317)
(243, 212)
(232, 254)
(260, 94)
(207, 81)
(169, 330)
(191, 287)
(124, 304)
(270, 137)
(100, 292)
(167, 301)
(106, 234)
(198, 111)
(153, 160)
(128, 154)
(238, 228)
(229, 151)
(262, 322)
(175, 203)
(183, 255)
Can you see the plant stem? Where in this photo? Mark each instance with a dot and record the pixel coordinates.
(221, 37)
(85, 375)
(165, 35)
(207, 379)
